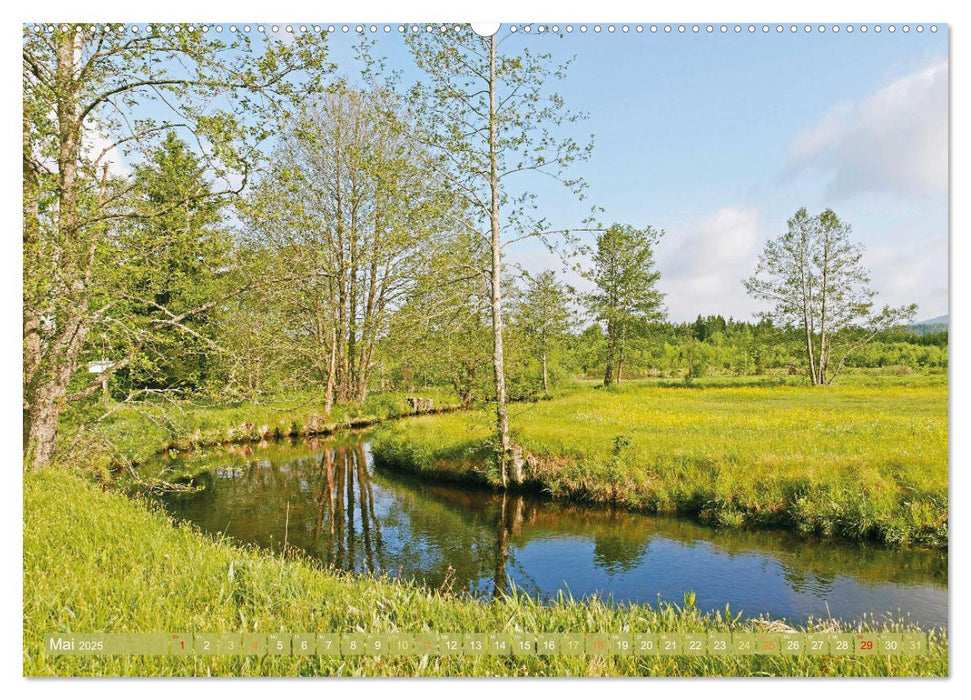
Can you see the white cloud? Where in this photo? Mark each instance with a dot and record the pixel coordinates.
(702, 264)
(911, 265)
(894, 141)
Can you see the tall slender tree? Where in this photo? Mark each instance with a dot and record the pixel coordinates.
(544, 316)
(346, 206)
(492, 116)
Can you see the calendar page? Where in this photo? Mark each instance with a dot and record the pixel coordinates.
(424, 348)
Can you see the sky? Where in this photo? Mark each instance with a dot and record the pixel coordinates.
(719, 138)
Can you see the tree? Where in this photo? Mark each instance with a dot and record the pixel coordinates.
(171, 259)
(705, 327)
(544, 315)
(626, 296)
(813, 276)
(491, 117)
(348, 210)
(442, 334)
(261, 354)
(93, 93)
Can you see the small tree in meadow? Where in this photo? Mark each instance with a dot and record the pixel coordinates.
(814, 278)
(544, 315)
(626, 297)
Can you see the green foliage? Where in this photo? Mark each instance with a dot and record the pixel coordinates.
(341, 225)
(441, 335)
(472, 86)
(715, 346)
(542, 315)
(88, 84)
(170, 261)
(626, 298)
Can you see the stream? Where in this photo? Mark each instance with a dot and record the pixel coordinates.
(351, 516)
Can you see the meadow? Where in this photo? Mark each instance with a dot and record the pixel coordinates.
(864, 460)
(96, 560)
(867, 460)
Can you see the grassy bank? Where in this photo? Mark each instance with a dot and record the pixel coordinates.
(98, 561)
(135, 431)
(864, 460)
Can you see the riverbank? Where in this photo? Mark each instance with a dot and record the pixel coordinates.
(864, 461)
(95, 560)
(132, 433)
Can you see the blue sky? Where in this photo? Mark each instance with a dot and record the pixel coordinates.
(719, 138)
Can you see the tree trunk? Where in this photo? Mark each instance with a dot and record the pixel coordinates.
(807, 325)
(812, 361)
(609, 370)
(331, 370)
(823, 293)
(366, 353)
(41, 426)
(502, 418)
(31, 314)
(45, 403)
(823, 358)
(620, 356)
(341, 381)
(373, 303)
(352, 329)
(546, 377)
(45, 400)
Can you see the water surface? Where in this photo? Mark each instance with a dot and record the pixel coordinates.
(354, 517)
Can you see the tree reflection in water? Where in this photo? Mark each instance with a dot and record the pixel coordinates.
(352, 517)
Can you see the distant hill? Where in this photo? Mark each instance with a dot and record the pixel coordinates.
(931, 325)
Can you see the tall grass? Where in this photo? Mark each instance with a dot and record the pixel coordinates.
(866, 460)
(96, 561)
(133, 432)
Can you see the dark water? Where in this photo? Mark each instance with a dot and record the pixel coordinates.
(354, 517)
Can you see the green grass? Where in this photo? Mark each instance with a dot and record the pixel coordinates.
(96, 561)
(864, 460)
(136, 431)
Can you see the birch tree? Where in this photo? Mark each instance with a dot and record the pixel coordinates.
(814, 278)
(490, 112)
